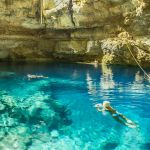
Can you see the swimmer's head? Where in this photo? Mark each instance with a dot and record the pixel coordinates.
(106, 104)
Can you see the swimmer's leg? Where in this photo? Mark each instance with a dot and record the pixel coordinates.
(119, 120)
(125, 121)
(128, 121)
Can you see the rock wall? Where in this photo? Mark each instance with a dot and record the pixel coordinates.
(75, 30)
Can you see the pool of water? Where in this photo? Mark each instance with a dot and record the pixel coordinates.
(58, 113)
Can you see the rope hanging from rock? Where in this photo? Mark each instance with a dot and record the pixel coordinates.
(41, 11)
(137, 62)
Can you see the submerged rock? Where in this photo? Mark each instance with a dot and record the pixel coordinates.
(22, 121)
(7, 74)
(2, 107)
(54, 134)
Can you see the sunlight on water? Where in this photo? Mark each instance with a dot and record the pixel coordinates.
(57, 113)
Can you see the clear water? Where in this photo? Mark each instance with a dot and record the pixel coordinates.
(57, 113)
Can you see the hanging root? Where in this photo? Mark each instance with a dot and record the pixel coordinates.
(70, 8)
(145, 73)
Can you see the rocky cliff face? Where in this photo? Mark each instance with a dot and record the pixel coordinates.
(75, 30)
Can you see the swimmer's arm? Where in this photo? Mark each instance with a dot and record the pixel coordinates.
(100, 110)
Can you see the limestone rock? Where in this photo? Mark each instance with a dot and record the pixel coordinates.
(74, 30)
(124, 51)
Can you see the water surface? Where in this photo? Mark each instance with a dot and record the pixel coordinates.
(57, 113)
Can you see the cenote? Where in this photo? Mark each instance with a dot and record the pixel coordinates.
(58, 113)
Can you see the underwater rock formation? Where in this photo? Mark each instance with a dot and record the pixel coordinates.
(7, 74)
(23, 121)
(72, 30)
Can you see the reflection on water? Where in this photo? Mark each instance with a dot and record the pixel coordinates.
(57, 112)
(91, 86)
(107, 81)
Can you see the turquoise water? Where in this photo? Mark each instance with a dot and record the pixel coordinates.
(57, 113)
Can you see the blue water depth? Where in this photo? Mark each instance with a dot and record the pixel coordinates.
(58, 113)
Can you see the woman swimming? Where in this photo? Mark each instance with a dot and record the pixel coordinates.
(116, 115)
(32, 76)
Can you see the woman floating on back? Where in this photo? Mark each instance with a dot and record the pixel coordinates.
(32, 76)
(116, 115)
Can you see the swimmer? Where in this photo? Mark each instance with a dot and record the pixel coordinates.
(116, 115)
(30, 76)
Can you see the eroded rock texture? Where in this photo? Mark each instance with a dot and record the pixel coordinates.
(75, 30)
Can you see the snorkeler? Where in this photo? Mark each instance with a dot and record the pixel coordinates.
(116, 115)
(30, 76)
